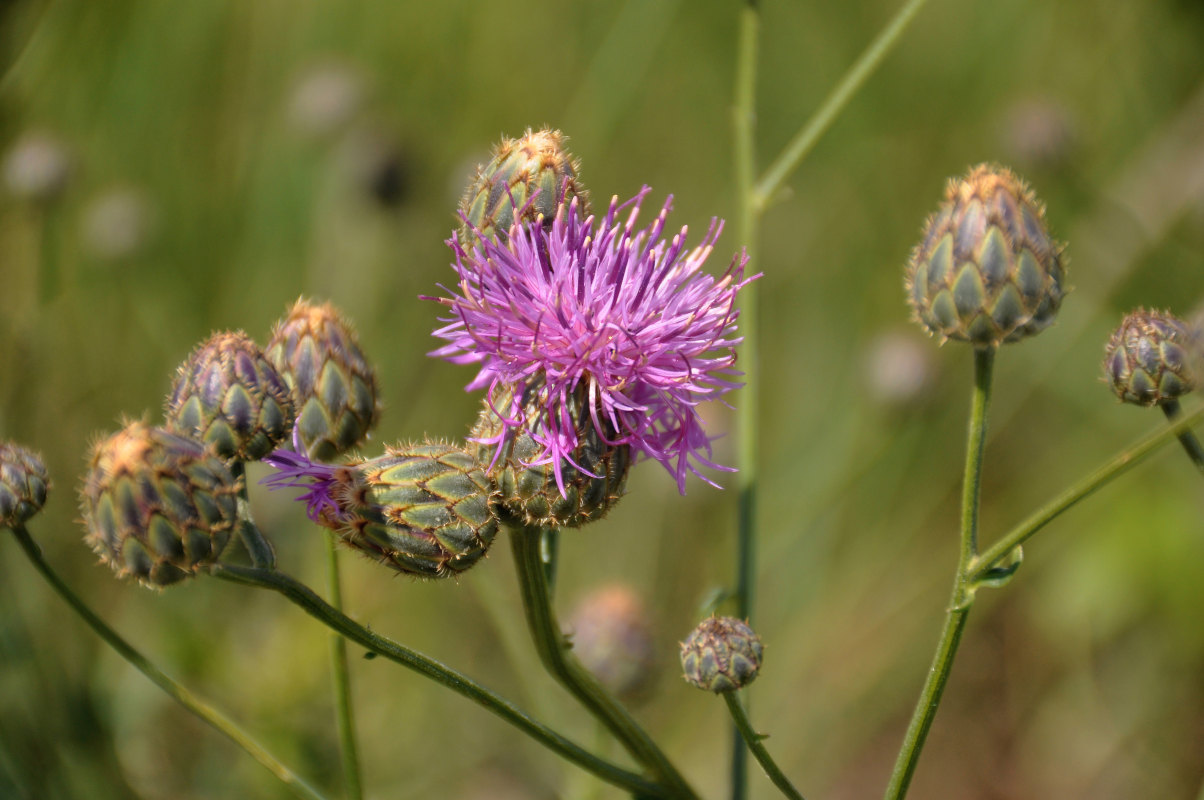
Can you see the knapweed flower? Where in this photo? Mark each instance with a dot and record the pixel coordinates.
(620, 313)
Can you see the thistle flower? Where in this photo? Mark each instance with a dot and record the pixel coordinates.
(619, 314)
(422, 509)
(23, 484)
(1150, 359)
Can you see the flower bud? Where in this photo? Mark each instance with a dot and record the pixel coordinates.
(156, 505)
(334, 386)
(1149, 359)
(422, 509)
(527, 178)
(227, 395)
(23, 484)
(986, 271)
(590, 480)
(612, 637)
(721, 655)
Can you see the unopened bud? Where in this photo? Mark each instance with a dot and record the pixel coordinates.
(612, 637)
(721, 655)
(1149, 359)
(157, 506)
(23, 484)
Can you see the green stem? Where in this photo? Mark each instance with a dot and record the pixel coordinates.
(963, 585)
(180, 694)
(753, 740)
(744, 124)
(1186, 438)
(342, 680)
(553, 650)
(1113, 468)
(834, 103)
(315, 606)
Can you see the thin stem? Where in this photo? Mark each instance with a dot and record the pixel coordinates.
(301, 595)
(744, 129)
(753, 740)
(1186, 438)
(554, 652)
(180, 694)
(1113, 468)
(834, 103)
(342, 680)
(258, 547)
(963, 588)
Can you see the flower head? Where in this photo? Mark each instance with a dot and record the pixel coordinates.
(620, 313)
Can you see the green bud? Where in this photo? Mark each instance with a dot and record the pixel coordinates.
(157, 506)
(721, 655)
(227, 395)
(594, 478)
(23, 484)
(986, 270)
(531, 175)
(334, 386)
(1149, 359)
(422, 509)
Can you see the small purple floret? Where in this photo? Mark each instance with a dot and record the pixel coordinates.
(621, 313)
(294, 470)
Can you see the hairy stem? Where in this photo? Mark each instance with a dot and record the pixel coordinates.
(181, 695)
(963, 588)
(301, 595)
(554, 652)
(753, 740)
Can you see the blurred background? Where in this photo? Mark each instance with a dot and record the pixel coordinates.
(174, 168)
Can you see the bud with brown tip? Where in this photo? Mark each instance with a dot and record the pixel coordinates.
(23, 484)
(227, 395)
(157, 506)
(527, 178)
(721, 655)
(334, 386)
(1149, 359)
(986, 271)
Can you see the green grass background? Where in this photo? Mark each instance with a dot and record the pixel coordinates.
(1082, 679)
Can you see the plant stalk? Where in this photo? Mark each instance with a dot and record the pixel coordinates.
(753, 740)
(553, 650)
(341, 679)
(1186, 438)
(301, 595)
(963, 586)
(181, 695)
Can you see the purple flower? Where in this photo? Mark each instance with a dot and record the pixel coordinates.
(616, 312)
(295, 470)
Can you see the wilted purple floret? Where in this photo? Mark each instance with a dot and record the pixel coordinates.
(295, 470)
(619, 312)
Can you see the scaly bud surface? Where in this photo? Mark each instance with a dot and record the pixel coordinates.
(23, 484)
(721, 655)
(986, 270)
(590, 479)
(528, 177)
(334, 386)
(228, 395)
(156, 505)
(1148, 359)
(422, 509)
